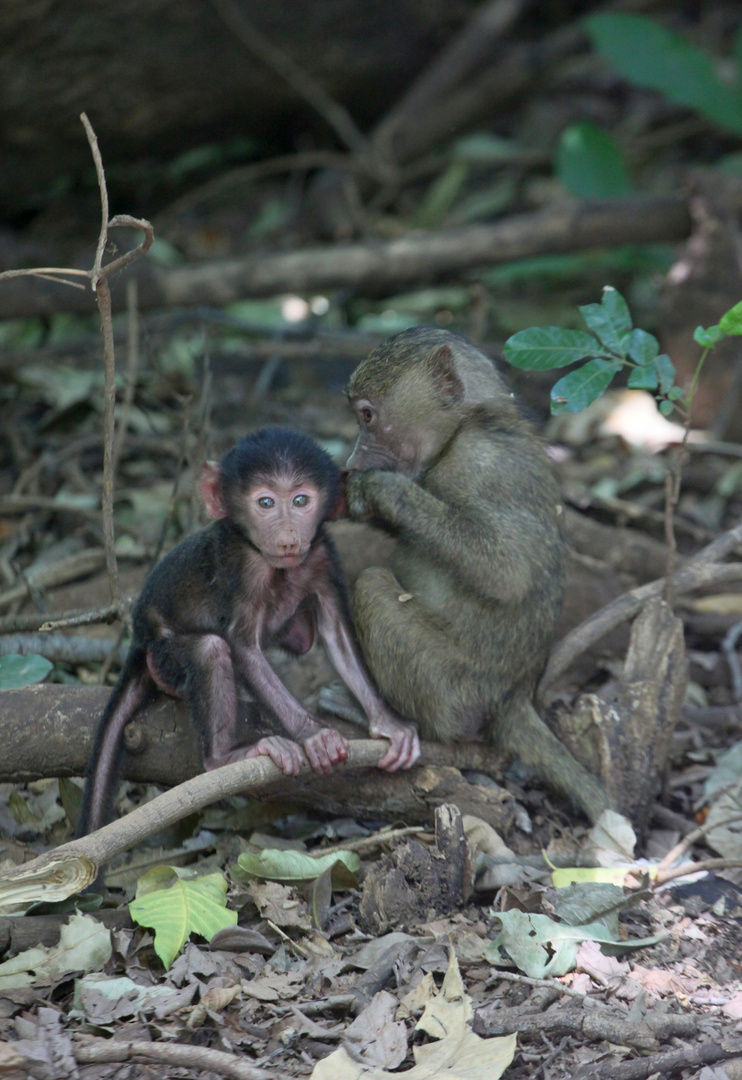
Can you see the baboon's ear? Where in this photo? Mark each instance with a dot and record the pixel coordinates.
(211, 490)
(442, 367)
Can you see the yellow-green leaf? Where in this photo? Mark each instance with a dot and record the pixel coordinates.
(175, 908)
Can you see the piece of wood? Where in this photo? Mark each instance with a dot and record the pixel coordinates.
(631, 733)
(375, 268)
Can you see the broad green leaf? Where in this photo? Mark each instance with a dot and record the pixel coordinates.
(17, 671)
(666, 371)
(641, 346)
(591, 164)
(731, 321)
(574, 392)
(709, 336)
(643, 378)
(610, 320)
(175, 908)
(647, 54)
(666, 408)
(541, 348)
(541, 947)
(274, 864)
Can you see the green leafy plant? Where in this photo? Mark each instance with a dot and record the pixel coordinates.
(612, 343)
(647, 54)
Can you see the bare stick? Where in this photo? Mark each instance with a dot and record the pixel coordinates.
(132, 365)
(103, 294)
(698, 573)
(171, 1055)
(387, 265)
(336, 115)
(99, 279)
(48, 273)
(252, 775)
(466, 51)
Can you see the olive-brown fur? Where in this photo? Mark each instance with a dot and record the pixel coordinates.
(457, 635)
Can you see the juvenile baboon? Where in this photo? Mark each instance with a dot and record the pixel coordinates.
(458, 634)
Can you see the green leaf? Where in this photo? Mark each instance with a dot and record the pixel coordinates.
(666, 371)
(484, 148)
(296, 866)
(440, 196)
(541, 947)
(667, 408)
(731, 321)
(574, 392)
(709, 336)
(641, 346)
(17, 671)
(175, 908)
(541, 348)
(610, 320)
(647, 54)
(591, 164)
(643, 378)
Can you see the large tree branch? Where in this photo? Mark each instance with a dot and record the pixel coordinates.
(377, 267)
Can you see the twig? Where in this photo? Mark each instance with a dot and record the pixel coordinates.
(132, 366)
(60, 572)
(690, 1056)
(175, 1055)
(466, 51)
(336, 115)
(27, 622)
(103, 296)
(705, 866)
(67, 620)
(99, 279)
(60, 648)
(729, 648)
(528, 980)
(48, 273)
(673, 469)
(370, 843)
(699, 572)
(257, 170)
(693, 837)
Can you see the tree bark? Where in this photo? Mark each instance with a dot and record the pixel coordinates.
(377, 267)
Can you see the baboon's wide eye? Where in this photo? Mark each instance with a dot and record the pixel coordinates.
(265, 503)
(301, 500)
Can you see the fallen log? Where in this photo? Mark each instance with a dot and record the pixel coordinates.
(373, 267)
